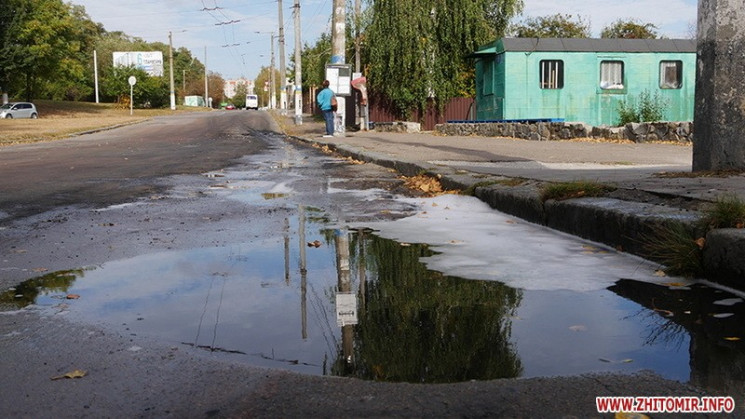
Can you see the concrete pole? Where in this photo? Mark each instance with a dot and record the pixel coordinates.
(273, 82)
(282, 66)
(170, 62)
(206, 95)
(719, 114)
(95, 72)
(298, 69)
(338, 56)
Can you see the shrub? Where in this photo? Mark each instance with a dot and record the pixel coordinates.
(648, 109)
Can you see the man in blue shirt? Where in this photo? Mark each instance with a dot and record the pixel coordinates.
(324, 99)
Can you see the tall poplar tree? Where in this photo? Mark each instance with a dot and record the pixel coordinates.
(416, 49)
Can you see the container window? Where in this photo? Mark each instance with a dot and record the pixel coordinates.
(671, 74)
(552, 74)
(611, 75)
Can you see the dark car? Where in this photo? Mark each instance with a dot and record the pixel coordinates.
(18, 110)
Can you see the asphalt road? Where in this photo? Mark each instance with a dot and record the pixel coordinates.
(46, 189)
(111, 166)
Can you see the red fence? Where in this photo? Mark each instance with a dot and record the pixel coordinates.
(458, 109)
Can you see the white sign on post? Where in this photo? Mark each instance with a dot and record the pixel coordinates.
(132, 81)
(346, 309)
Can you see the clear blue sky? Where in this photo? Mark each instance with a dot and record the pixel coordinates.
(235, 49)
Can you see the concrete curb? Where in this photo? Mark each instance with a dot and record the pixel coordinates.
(617, 223)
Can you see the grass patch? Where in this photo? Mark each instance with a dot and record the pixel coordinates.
(577, 189)
(727, 212)
(680, 249)
(471, 190)
(676, 247)
(59, 119)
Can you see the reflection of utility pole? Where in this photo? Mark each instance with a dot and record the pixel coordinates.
(361, 267)
(286, 233)
(303, 273)
(345, 287)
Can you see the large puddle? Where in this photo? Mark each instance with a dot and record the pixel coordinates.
(349, 302)
(454, 292)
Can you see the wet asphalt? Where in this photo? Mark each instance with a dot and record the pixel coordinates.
(135, 376)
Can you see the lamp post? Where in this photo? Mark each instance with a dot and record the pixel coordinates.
(272, 93)
(170, 61)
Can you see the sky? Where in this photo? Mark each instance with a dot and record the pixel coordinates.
(227, 29)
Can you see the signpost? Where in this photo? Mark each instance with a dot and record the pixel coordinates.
(132, 81)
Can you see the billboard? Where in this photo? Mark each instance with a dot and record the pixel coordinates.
(149, 61)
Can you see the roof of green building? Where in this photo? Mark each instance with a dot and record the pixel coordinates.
(587, 45)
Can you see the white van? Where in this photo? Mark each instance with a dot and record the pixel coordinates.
(252, 102)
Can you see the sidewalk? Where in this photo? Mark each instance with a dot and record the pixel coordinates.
(654, 183)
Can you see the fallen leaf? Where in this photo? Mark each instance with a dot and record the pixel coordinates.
(700, 242)
(660, 272)
(732, 338)
(72, 296)
(624, 415)
(314, 243)
(71, 374)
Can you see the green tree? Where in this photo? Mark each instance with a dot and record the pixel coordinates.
(416, 49)
(314, 59)
(239, 99)
(553, 26)
(263, 80)
(45, 44)
(630, 29)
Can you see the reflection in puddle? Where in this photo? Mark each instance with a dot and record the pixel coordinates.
(273, 303)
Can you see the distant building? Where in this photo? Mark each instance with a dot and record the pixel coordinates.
(231, 86)
(582, 80)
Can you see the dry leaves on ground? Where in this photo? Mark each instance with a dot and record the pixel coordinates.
(429, 185)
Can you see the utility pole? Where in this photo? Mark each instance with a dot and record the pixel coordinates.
(206, 95)
(282, 67)
(338, 55)
(298, 69)
(170, 59)
(273, 87)
(357, 19)
(95, 71)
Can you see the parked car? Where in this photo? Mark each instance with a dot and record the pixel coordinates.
(230, 107)
(18, 110)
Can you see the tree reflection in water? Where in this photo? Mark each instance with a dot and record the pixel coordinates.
(417, 325)
(701, 313)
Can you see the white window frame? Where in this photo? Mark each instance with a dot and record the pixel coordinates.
(671, 74)
(611, 75)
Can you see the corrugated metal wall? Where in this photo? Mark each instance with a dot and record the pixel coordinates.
(458, 109)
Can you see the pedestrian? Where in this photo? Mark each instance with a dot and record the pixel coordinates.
(326, 100)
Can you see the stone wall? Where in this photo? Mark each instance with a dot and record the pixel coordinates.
(547, 131)
(398, 126)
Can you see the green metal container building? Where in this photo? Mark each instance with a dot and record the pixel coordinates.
(582, 79)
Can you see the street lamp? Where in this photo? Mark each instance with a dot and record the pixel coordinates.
(272, 93)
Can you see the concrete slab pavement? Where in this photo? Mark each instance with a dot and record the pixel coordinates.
(654, 182)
